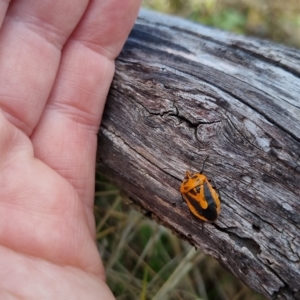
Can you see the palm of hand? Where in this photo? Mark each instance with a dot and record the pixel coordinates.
(56, 65)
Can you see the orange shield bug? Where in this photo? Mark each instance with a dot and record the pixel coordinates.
(201, 197)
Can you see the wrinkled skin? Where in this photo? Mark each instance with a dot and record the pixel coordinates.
(56, 66)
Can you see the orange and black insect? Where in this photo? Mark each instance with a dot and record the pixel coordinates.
(201, 197)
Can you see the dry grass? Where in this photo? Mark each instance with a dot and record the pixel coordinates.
(144, 260)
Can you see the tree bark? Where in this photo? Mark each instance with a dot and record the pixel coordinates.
(181, 92)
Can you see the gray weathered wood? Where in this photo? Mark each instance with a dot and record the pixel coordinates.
(183, 91)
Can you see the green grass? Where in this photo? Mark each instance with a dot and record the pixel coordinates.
(144, 260)
(278, 20)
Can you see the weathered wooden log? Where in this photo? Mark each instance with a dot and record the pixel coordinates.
(182, 91)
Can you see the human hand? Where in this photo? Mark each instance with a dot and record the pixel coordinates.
(56, 66)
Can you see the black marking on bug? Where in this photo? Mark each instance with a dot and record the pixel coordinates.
(193, 192)
(198, 188)
(210, 213)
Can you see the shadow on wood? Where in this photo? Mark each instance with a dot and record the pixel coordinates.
(183, 91)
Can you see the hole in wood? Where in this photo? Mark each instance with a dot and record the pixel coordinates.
(256, 227)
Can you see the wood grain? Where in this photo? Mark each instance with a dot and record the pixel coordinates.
(181, 92)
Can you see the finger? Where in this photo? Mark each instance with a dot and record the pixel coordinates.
(31, 38)
(107, 37)
(33, 218)
(72, 116)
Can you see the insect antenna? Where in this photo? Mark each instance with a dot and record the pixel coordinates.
(204, 164)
